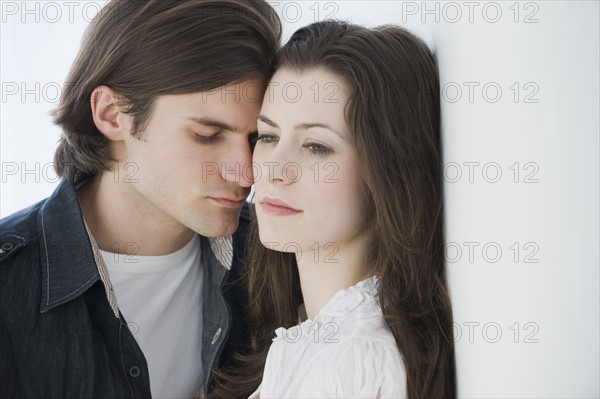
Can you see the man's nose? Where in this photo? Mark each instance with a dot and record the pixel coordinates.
(238, 166)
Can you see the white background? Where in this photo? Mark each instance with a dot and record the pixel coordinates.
(520, 103)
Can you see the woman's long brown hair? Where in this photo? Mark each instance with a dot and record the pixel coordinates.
(393, 114)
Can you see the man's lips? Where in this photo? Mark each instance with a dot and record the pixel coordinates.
(273, 206)
(230, 202)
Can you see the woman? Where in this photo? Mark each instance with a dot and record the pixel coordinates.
(348, 289)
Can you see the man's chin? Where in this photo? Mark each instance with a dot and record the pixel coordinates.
(218, 229)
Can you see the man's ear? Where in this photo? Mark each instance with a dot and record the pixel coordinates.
(109, 116)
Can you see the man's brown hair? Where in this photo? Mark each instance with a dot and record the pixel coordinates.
(143, 49)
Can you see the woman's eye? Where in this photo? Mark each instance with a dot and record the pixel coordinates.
(267, 138)
(318, 149)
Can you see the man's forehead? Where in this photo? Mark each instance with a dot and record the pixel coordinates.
(247, 91)
(232, 109)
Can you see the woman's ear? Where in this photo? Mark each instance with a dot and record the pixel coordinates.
(109, 116)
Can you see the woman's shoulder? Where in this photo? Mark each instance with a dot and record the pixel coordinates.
(365, 348)
(347, 351)
(371, 366)
(338, 364)
(377, 349)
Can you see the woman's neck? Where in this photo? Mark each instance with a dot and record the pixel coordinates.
(328, 270)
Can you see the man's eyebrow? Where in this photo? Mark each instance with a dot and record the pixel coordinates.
(300, 126)
(212, 123)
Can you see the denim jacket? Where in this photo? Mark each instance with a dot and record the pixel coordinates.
(59, 335)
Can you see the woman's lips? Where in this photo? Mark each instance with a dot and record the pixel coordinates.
(277, 207)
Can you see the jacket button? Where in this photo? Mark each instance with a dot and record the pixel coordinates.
(216, 337)
(135, 371)
(6, 247)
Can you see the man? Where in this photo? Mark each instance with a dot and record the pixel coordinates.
(124, 283)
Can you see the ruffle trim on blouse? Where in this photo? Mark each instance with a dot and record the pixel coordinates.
(343, 302)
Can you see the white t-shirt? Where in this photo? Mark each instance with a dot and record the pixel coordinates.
(161, 300)
(347, 351)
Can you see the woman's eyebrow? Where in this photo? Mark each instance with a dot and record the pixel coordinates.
(306, 126)
(300, 126)
(266, 120)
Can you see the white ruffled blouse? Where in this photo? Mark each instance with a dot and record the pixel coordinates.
(347, 351)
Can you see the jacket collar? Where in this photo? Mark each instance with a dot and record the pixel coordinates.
(68, 264)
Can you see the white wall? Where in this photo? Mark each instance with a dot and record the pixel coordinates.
(38, 42)
(545, 145)
(526, 317)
